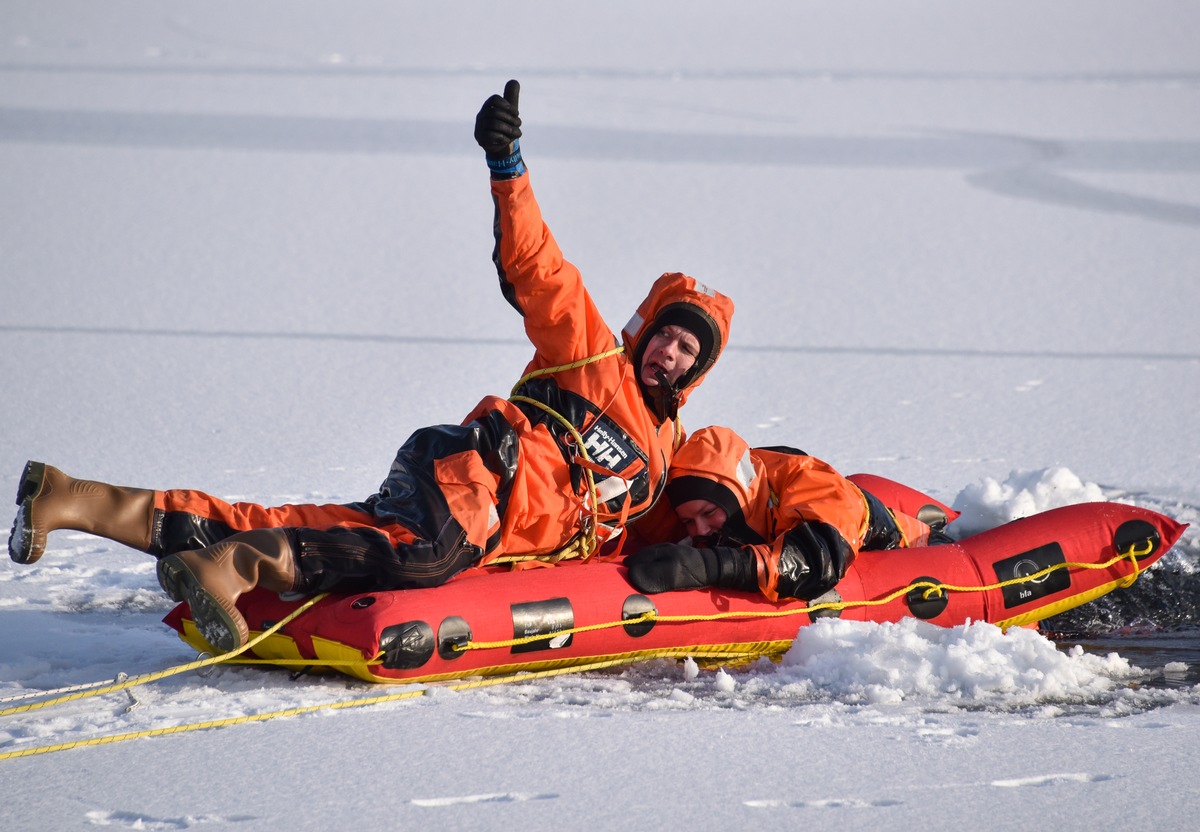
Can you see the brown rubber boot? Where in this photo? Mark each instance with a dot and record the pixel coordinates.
(48, 499)
(212, 579)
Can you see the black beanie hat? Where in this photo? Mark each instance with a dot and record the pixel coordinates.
(682, 489)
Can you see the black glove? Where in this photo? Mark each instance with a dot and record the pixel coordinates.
(667, 566)
(497, 130)
(814, 557)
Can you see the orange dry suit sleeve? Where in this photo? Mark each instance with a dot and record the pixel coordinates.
(561, 320)
(816, 528)
(821, 521)
(588, 400)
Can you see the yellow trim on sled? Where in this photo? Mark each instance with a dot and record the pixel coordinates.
(349, 660)
(275, 646)
(1061, 605)
(362, 669)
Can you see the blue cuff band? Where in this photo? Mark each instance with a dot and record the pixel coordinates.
(507, 167)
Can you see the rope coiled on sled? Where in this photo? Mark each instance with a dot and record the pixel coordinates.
(585, 544)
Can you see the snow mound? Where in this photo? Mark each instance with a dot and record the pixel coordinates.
(868, 663)
(989, 503)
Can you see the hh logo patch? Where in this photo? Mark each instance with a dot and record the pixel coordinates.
(1030, 563)
(609, 447)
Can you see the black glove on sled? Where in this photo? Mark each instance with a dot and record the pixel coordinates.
(813, 558)
(667, 566)
(497, 130)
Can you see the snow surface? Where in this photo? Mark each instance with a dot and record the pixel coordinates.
(246, 247)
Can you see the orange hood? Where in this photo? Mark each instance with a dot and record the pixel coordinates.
(715, 464)
(678, 299)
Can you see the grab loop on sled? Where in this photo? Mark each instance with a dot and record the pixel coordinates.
(927, 598)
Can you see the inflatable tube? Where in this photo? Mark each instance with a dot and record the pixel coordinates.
(579, 615)
(906, 500)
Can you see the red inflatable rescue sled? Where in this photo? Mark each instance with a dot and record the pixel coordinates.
(585, 614)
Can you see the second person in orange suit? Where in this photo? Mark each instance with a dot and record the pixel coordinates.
(774, 521)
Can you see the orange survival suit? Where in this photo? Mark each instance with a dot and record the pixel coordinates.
(580, 448)
(796, 523)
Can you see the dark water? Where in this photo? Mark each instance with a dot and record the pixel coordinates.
(1149, 651)
(1154, 623)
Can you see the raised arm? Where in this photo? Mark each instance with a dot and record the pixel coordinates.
(561, 320)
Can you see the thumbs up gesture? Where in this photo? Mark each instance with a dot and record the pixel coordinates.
(498, 125)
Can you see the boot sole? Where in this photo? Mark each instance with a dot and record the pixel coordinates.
(215, 623)
(20, 538)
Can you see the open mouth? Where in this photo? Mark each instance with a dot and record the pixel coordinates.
(651, 371)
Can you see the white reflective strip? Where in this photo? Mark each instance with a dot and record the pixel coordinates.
(633, 327)
(745, 470)
(493, 517)
(704, 290)
(610, 487)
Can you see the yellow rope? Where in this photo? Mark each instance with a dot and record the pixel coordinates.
(574, 549)
(932, 590)
(545, 371)
(328, 706)
(163, 674)
(587, 545)
(198, 726)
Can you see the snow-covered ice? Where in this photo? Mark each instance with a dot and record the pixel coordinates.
(245, 247)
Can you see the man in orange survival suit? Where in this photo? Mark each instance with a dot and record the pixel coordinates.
(773, 520)
(581, 447)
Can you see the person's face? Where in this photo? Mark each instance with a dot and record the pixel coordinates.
(672, 350)
(701, 517)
